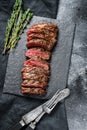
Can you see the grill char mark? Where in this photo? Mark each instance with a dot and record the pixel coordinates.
(34, 91)
(34, 83)
(35, 70)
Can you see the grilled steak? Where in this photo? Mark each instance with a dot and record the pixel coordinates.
(35, 70)
(47, 45)
(41, 39)
(37, 62)
(40, 36)
(39, 52)
(34, 91)
(34, 83)
(47, 26)
(38, 43)
(44, 32)
(39, 77)
(48, 38)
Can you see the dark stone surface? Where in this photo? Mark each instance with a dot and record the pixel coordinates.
(76, 105)
(59, 62)
(72, 10)
(13, 107)
(77, 82)
(45, 8)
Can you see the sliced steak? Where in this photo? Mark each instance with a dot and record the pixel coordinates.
(34, 91)
(38, 43)
(47, 45)
(39, 52)
(41, 39)
(47, 26)
(44, 32)
(41, 36)
(34, 83)
(37, 36)
(37, 62)
(35, 70)
(39, 77)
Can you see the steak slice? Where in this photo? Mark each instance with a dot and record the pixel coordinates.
(37, 62)
(40, 36)
(39, 52)
(34, 83)
(34, 91)
(47, 45)
(47, 26)
(39, 77)
(35, 70)
(38, 43)
(44, 32)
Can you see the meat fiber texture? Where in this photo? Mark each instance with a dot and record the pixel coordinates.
(36, 69)
(39, 52)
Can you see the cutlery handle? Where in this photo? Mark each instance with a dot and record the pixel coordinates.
(17, 126)
(29, 128)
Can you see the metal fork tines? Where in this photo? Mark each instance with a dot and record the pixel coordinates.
(49, 106)
(32, 115)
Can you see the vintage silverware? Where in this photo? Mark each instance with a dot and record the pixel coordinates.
(48, 107)
(33, 117)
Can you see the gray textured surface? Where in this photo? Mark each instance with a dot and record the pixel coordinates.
(70, 11)
(76, 106)
(77, 82)
(59, 62)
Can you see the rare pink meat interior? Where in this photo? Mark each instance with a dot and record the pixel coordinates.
(41, 38)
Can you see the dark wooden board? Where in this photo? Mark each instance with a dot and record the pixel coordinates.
(59, 62)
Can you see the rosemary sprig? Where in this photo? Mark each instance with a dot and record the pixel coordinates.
(16, 25)
(27, 15)
(11, 21)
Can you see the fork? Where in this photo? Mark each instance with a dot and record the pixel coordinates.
(49, 106)
(30, 119)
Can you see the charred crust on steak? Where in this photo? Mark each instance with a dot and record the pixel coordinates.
(44, 32)
(47, 26)
(34, 83)
(47, 45)
(34, 91)
(35, 70)
(45, 36)
(40, 77)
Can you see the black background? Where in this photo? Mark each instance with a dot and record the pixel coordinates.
(13, 107)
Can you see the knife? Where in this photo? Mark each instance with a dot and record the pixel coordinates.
(27, 118)
(20, 126)
(35, 113)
